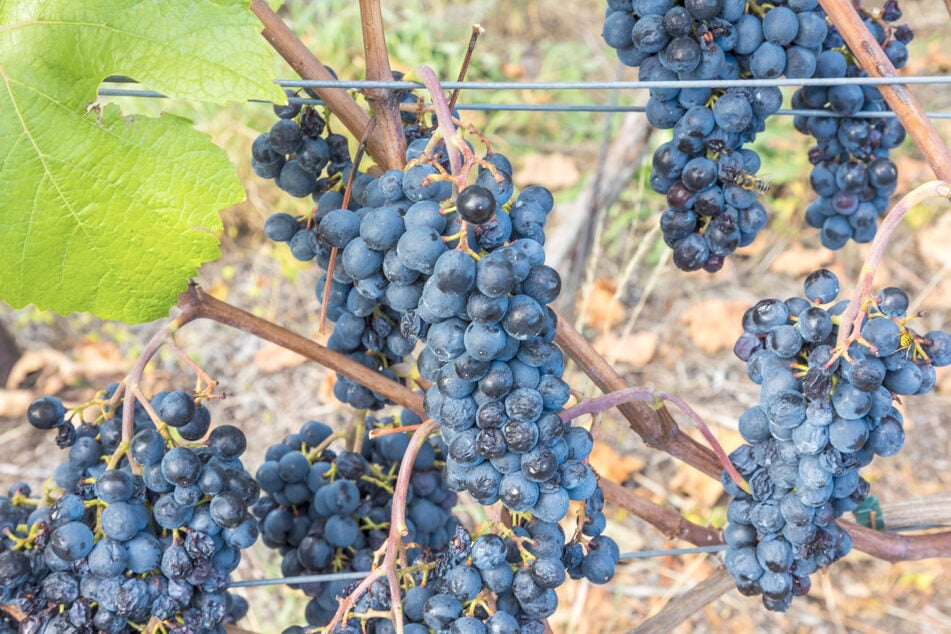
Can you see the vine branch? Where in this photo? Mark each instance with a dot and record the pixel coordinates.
(603, 403)
(196, 304)
(891, 547)
(654, 426)
(873, 59)
(688, 603)
(306, 64)
(382, 101)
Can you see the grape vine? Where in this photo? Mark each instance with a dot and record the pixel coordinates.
(432, 281)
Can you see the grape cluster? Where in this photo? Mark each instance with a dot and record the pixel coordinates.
(821, 417)
(520, 571)
(851, 173)
(497, 388)
(464, 273)
(299, 152)
(303, 156)
(370, 287)
(329, 512)
(709, 178)
(366, 327)
(116, 548)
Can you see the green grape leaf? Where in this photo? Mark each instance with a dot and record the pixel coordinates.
(102, 212)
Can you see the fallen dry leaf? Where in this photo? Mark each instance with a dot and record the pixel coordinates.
(758, 246)
(325, 392)
(554, 171)
(714, 324)
(273, 358)
(798, 261)
(49, 371)
(33, 361)
(636, 349)
(611, 465)
(697, 486)
(933, 243)
(13, 403)
(602, 310)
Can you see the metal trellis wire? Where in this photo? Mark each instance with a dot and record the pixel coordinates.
(640, 554)
(590, 85)
(348, 576)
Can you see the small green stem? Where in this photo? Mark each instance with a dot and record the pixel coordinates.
(117, 455)
(314, 452)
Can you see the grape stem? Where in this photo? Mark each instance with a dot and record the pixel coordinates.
(605, 402)
(132, 381)
(394, 546)
(203, 377)
(477, 30)
(444, 120)
(850, 322)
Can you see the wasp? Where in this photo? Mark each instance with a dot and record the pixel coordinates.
(745, 180)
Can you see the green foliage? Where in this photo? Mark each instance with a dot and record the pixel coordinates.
(101, 212)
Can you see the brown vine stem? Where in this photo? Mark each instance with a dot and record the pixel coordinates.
(135, 376)
(666, 520)
(195, 304)
(383, 104)
(688, 604)
(605, 402)
(477, 30)
(305, 64)
(444, 120)
(886, 546)
(394, 540)
(895, 547)
(850, 322)
(655, 426)
(873, 59)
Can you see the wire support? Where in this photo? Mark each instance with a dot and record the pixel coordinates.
(348, 576)
(361, 84)
(554, 108)
(339, 576)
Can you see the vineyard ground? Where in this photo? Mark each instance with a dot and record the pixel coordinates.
(681, 342)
